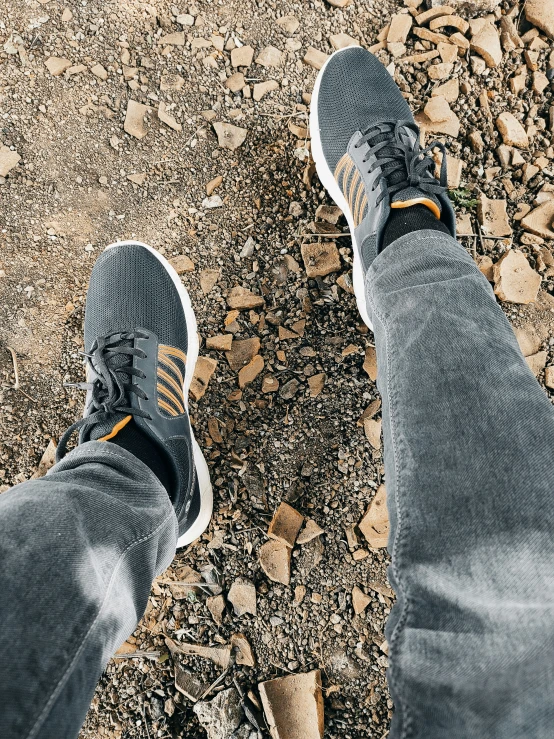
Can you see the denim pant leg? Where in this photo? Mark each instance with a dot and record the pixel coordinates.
(469, 459)
(79, 549)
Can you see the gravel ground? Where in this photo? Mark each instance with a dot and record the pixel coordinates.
(70, 195)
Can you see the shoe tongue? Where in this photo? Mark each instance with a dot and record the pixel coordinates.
(413, 193)
(99, 430)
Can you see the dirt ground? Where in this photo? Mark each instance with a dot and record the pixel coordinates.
(70, 195)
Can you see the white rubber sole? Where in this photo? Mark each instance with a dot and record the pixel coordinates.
(330, 184)
(202, 472)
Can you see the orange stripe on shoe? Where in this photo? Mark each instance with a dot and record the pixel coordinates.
(169, 395)
(356, 181)
(172, 366)
(171, 351)
(359, 200)
(116, 429)
(167, 407)
(343, 161)
(170, 381)
(433, 207)
(362, 208)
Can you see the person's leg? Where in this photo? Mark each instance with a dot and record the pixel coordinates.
(469, 449)
(468, 432)
(79, 549)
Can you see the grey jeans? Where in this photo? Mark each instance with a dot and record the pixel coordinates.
(469, 441)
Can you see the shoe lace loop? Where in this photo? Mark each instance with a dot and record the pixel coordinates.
(400, 159)
(110, 360)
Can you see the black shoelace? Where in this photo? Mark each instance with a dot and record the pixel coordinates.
(112, 383)
(402, 162)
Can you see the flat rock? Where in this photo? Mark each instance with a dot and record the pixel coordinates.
(270, 384)
(316, 383)
(342, 41)
(242, 56)
(493, 216)
(285, 524)
(229, 136)
(249, 373)
(537, 362)
(274, 557)
(213, 185)
(240, 298)
(440, 71)
(135, 119)
(173, 39)
(221, 342)
(549, 377)
(261, 89)
(47, 461)
(242, 596)
(511, 130)
(470, 7)
(541, 14)
(221, 716)
(514, 279)
(182, 264)
(486, 43)
(454, 167)
(438, 109)
(309, 532)
(8, 160)
(450, 91)
(242, 352)
(328, 213)
(209, 279)
(315, 58)
(57, 65)
(320, 259)
(203, 371)
(219, 655)
(138, 178)
(450, 127)
(539, 221)
(464, 226)
(372, 430)
(360, 600)
(486, 266)
(289, 24)
(370, 363)
(400, 26)
(450, 20)
(271, 56)
(185, 19)
(375, 524)
(214, 201)
(168, 119)
(434, 12)
(293, 706)
(244, 654)
(528, 340)
(235, 82)
(216, 606)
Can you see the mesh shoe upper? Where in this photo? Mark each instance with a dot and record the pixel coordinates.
(129, 288)
(370, 142)
(356, 91)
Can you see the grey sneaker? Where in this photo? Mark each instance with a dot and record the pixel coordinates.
(141, 347)
(365, 144)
